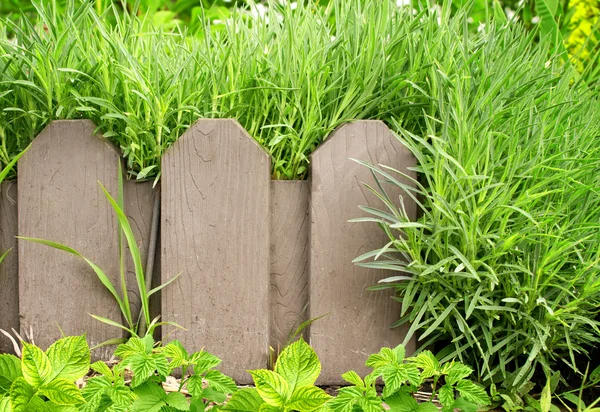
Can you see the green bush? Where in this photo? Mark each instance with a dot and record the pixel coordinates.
(503, 262)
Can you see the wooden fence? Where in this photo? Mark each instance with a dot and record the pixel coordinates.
(256, 256)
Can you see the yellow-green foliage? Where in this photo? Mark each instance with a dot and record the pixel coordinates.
(583, 31)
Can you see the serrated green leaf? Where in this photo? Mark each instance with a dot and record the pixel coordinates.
(446, 395)
(63, 392)
(265, 407)
(101, 368)
(353, 378)
(428, 363)
(271, 386)
(473, 392)
(134, 346)
(177, 353)
(400, 352)
(345, 400)
(23, 397)
(371, 404)
(244, 400)
(401, 402)
(10, 369)
(457, 372)
(299, 365)
(194, 385)
(204, 361)
(213, 395)
(307, 398)
(220, 382)
(150, 398)
(383, 358)
(69, 357)
(35, 366)
(427, 407)
(396, 375)
(177, 400)
(464, 405)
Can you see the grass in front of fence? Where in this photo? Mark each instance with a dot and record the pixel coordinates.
(503, 264)
(290, 77)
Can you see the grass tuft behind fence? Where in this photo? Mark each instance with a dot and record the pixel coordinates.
(290, 77)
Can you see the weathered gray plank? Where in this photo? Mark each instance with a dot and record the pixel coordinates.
(358, 320)
(60, 200)
(289, 258)
(215, 231)
(9, 280)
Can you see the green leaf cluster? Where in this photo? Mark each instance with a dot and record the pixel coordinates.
(44, 381)
(290, 387)
(402, 377)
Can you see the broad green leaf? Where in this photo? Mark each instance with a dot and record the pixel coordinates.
(457, 372)
(298, 364)
(384, 357)
(220, 382)
(265, 407)
(446, 395)
(371, 404)
(151, 398)
(177, 400)
(35, 366)
(63, 392)
(23, 397)
(473, 393)
(5, 404)
(401, 402)
(427, 407)
(307, 398)
(464, 405)
(213, 396)
(353, 378)
(69, 357)
(345, 400)
(244, 400)
(10, 369)
(271, 386)
(134, 346)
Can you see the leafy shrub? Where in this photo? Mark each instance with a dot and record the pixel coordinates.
(44, 381)
(503, 262)
(290, 387)
(402, 378)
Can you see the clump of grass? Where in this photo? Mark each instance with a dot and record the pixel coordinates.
(503, 264)
(290, 77)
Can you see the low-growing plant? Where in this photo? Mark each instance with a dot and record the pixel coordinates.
(289, 387)
(44, 381)
(134, 324)
(402, 378)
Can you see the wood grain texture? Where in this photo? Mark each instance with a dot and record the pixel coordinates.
(358, 321)
(9, 280)
(215, 231)
(289, 258)
(60, 200)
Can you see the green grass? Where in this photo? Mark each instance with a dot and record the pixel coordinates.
(290, 77)
(503, 265)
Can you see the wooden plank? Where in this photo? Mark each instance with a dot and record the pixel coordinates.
(215, 231)
(60, 200)
(358, 321)
(9, 280)
(289, 258)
